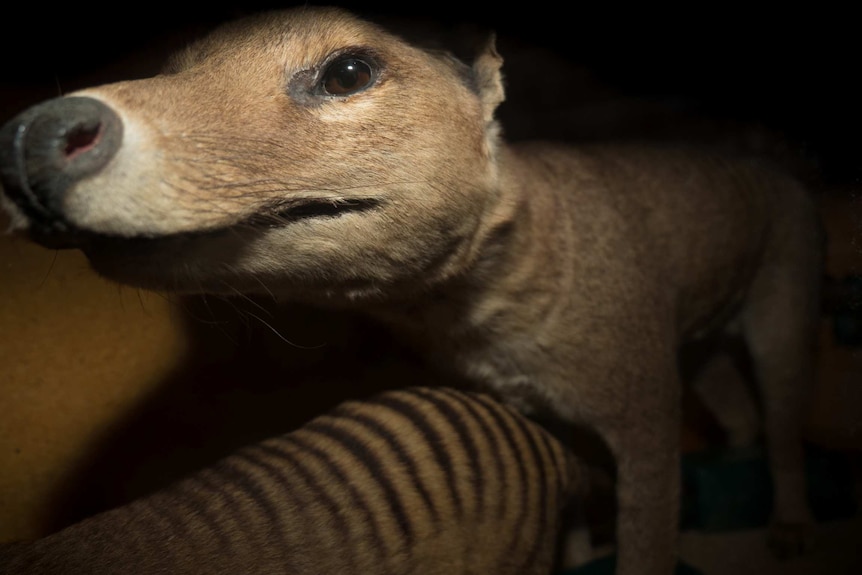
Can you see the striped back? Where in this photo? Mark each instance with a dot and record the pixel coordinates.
(421, 481)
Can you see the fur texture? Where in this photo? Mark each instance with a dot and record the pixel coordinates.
(563, 278)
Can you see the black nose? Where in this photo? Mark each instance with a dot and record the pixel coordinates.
(48, 148)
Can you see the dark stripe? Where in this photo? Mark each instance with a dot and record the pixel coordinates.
(404, 458)
(188, 496)
(496, 411)
(369, 459)
(432, 438)
(209, 487)
(217, 487)
(468, 402)
(542, 485)
(236, 470)
(560, 466)
(159, 522)
(319, 494)
(456, 420)
(296, 469)
(342, 479)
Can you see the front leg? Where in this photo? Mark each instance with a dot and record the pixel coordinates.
(632, 399)
(648, 489)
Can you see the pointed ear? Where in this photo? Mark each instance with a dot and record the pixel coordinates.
(489, 77)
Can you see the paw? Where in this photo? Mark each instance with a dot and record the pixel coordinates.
(789, 539)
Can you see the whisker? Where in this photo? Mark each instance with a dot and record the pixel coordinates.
(50, 269)
(245, 297)
(141, 300)
(241, 314)
(282, 338)
(265, 288)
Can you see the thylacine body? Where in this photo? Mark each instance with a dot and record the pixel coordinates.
(414, 482)
(313, 156)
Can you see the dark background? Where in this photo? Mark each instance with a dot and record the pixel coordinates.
(794, 70)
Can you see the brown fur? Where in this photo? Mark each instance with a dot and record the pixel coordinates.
(564, 278)
(310, 502)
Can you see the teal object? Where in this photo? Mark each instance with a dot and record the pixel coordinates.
(607, 566)
(847, 311)
(731, 489)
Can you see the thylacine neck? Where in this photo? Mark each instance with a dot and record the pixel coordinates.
(517, 278)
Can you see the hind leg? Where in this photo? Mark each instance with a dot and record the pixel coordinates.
(779, 324)
(721, 388)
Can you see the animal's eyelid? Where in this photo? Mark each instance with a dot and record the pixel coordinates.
(358, 51)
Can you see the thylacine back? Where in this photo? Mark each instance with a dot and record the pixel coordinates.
(420, 482)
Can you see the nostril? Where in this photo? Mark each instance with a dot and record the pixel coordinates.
(68, 139)
(81, 139)
(46, 150)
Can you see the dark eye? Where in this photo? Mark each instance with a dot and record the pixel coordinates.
(346, 76)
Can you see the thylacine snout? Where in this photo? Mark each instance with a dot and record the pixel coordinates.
(333, 144)
(311, 155)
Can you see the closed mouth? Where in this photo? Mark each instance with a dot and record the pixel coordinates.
(311, 209)
(280, 215)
